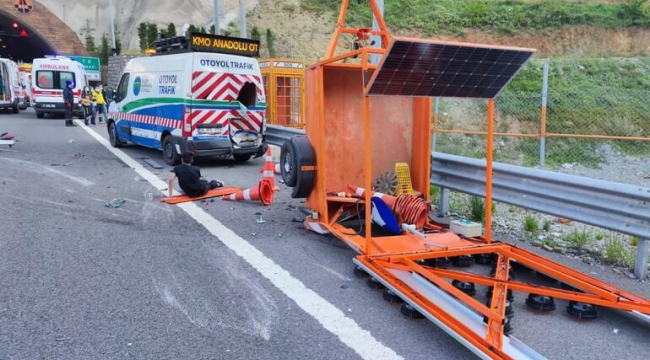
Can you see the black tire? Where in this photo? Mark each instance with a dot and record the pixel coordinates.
(113, 137)
(40, 114)
(242, 157)
(305, 161)
(15, 109)
(169, 151)
(288, 166)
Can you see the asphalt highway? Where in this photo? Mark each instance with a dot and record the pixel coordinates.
(208, 280)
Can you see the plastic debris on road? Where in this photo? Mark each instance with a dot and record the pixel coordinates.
(115, 203)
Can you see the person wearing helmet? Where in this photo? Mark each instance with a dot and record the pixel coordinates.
(68, 101)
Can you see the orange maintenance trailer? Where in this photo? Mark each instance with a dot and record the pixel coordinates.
(364, 118)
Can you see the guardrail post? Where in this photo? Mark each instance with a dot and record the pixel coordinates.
(641, 263)
(443, 204)
(542, 126)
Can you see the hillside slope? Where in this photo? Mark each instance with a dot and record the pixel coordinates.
(305, 34)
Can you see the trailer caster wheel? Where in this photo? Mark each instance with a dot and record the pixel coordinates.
(360, 272)
(462, 260)
(375, 284)
(464, 286)
(507, 327)
(408, 310)
(391, 297)
(509, 312)
(541, 303)
(582, 311)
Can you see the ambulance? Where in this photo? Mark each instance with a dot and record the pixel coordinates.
(49, 76)
(26, 79)
(11, 92)
(200, 92)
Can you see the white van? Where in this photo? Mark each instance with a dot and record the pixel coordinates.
(11, 92)
(48, 81)
(193, 98)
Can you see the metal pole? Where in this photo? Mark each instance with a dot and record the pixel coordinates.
(242, 19)
(443, 204)
(374, 58)
(542, 126)
(641, 263)
(488, 171)
(217, 7)
(110, 3)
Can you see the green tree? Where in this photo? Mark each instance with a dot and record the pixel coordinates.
(90, 42)
(192, 27)
(142, 35)
(104, 49)
(269, 42)
(171, 30)
(202, 29)
(212, 29)
(152, 33)
(255, 33)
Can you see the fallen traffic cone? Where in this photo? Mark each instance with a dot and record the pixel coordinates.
(269, 169)
(262, 193)
(388, 199)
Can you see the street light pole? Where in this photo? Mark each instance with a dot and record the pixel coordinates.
(217, 7)
(374, 58)
(242, 18)
(110, 2)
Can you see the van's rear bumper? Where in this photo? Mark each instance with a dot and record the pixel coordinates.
(218, 147)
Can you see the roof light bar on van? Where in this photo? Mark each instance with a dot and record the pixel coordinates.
(201, 42)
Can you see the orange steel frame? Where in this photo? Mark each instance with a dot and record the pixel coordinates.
(356, 137)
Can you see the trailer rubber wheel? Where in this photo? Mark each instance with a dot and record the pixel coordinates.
(305, 167)
(288, 166)
(169, 151)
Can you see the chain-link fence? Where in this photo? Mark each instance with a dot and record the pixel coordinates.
(580, 125)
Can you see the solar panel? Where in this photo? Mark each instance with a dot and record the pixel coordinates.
(436, 68)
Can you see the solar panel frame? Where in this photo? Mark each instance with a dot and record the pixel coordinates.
(431, 68)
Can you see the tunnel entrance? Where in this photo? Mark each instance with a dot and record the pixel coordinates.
(20, 42)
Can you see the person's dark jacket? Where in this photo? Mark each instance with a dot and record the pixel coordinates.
(68, 98)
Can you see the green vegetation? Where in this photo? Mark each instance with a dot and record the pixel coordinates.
(578, 239)
(477, 209)
(531, 224)
(634, 241)
(546, 225)
(506, 17)
(614, 250)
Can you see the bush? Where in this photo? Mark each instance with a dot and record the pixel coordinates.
(530, 223)
(614, 250)
(578, 239)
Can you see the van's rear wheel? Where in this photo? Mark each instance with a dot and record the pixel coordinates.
(169, 151)
(113, 137)
(14, 108)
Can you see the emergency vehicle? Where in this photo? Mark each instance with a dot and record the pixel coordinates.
(25, 71)
(48, 81)
(200, 93)
(10, 88)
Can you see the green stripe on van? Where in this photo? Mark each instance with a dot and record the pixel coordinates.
(133, 105)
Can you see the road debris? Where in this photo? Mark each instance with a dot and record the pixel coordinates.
(115, 203)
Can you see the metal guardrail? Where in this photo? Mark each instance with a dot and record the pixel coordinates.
(277, 135)
(619, 207)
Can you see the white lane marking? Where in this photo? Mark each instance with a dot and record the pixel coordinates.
(328, 315)
(42, 169)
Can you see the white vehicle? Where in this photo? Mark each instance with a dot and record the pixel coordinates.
(11, 92)
(49, 76)
(193, 99)
(26, 79)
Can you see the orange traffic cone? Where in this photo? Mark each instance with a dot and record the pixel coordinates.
(388, 199)
(262, 193)
(276, 168)
(269, 168)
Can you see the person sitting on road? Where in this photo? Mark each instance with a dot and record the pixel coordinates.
(190, 179)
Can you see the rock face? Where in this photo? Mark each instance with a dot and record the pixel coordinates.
(42, 21)
(95, 14)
